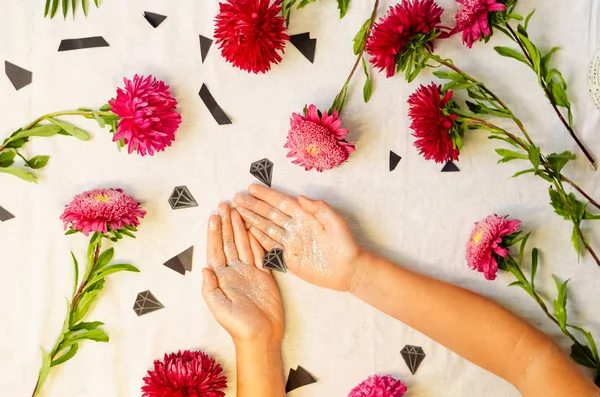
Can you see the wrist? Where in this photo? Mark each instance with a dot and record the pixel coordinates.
(361, 266)
(257, 346)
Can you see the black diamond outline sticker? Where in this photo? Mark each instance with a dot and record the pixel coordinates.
(182, 198)
(181, 262)
(263, 171)
(413, 357)
(450, 167)
(145, 303)
(305, 45)
(274, 260)
(154, 19)
(298, 378)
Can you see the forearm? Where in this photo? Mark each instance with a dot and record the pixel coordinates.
(259, 370)
(474, 327)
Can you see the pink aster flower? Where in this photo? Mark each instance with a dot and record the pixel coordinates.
(148, 120)
(485, 244)
(318, 141)
(472, 19)
(379, 386)
(187, 374)
(97, 210)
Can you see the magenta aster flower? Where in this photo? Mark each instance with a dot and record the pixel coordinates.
(148, 120)
(318, 141)
(187, 374)
(379, 386)
(472, 19)
(485, 244)
(97, 210)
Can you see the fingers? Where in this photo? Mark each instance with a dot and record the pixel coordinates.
(320, 209)
(240, 236)
(262, 208)
(215, 255)
(282, 202)
(265, 241)
(258, 252)
(266, 226)
(211, 292)
(227, 232)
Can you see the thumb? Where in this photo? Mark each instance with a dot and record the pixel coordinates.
(211, 292)
(320, 209)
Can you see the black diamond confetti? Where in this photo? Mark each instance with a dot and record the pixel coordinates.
(305, 45)
(394, 160)
(5, 215)
(18, 76)
(263, 171)
(450, 167)
(79, 44)
(146, 303)
(154, 19)
(182, 198)
(413, 357)
(274, 260)
(205, 44)
(213, 107)
(182, 262)
(298, 378)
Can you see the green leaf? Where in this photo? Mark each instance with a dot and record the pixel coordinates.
(522, 248)
(343, 6)
(84, 305)
(582, 355)
(17, 143)
(97, 335)
(105, 108)
(54, 8)
(84, 6)
(71, 129)
(516, 284)
(361, 37)
(534, 156)
(545, 64)
(340, 99)
(42, 131)
(88, 326)
(103, 259)
(76, 264)
(66, 356)
(589, 338)
(19, 173)
(508, 155)
(533, 51)
(531, 170)
(368, 88)
(560, 303)
(7, 158)
(43, 374)
(558, 161)
(99, 120)
(71, 231)
(534, 265)
(302, 4)
(38, 162)
(74, 6)
(47, 8)
(511, 53)
(127, 233)
(448, 75)
(576, 239)
(97, 2)
(108, 270)
(528, 18)
(559, 95)
(65, 7)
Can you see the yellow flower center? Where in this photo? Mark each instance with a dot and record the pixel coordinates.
(477, 237)
(313, 150)
(102, 197)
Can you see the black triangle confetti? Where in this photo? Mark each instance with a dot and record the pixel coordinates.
(263, 171)
(273, 260)
(450, 167)
(182, 198)
(154, 19)
(305, 45)
(182, 262)
(18, 76)
(5, 215)
(413, 357)
(394, 160)
(298, 378)
(79, 44)
(205, 44)
(213, 107)
(146, 303)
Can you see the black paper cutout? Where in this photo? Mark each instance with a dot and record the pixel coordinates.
(450, 167)
(298, 378)
(205, 44)
(79, 44)
(154, 19)
(413, 357)
(5, 215)
(182, 198)
(263, 171)
(274, 260)
(182, 262)
(394, 160)
(213, 107)
(305, 45)
(18, 76)
(146, 303)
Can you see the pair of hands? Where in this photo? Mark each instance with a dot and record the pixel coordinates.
(318, 247)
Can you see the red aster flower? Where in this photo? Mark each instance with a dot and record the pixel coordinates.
(472, 19)
(250, 33)
(318, 141)
(392, 33)
(433, 129)
(187, 374)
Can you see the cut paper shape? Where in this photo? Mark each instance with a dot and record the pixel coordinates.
(146, 303)
(182, 262)
(413, 357)
(18, 76)
(205, 44)
(182, 198)
(80, 44)
(5, 215)
(154, 19)
(263, 171)
(298, 378)
(305, 45)
(394, 160)
(450, 167)
(213, 107)
(274, 260)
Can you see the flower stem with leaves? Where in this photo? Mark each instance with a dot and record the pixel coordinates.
(75, 330)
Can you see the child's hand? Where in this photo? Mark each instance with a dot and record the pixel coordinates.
(317, 242)
(242, 296)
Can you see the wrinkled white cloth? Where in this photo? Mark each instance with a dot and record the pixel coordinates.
(415, 215)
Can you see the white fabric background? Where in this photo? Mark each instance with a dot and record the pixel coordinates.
(415, 215)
